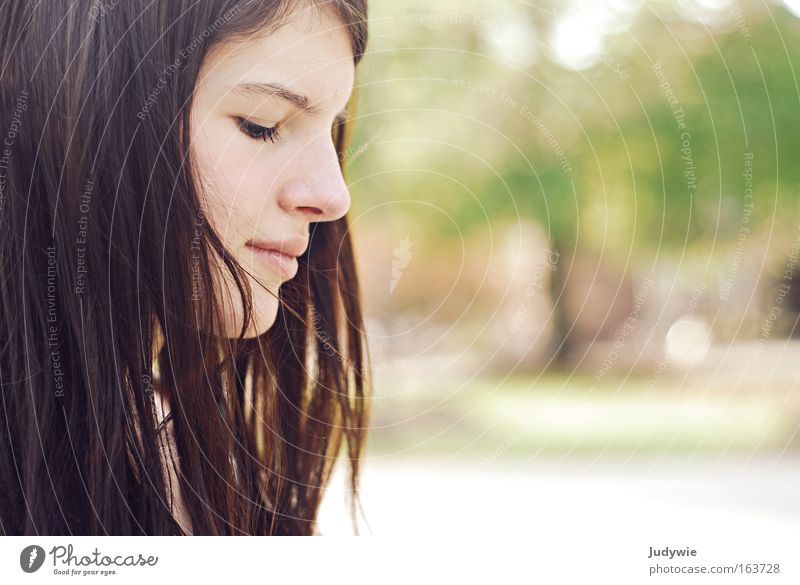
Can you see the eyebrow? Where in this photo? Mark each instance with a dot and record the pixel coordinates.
(273, 89)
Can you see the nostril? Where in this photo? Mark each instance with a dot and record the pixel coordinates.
(311, 210)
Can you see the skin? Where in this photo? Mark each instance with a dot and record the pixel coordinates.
(258, 189)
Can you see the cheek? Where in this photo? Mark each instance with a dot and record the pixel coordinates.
(239, 179)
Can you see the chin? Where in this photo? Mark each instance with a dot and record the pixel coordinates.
(265, 311)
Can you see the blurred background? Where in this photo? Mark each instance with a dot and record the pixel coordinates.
(579, 244)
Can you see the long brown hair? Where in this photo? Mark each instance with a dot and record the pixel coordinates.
(103, 245)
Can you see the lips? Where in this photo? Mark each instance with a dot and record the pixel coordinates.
(280, 257)
(292, 247)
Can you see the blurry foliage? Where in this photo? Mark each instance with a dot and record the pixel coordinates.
(443, 112)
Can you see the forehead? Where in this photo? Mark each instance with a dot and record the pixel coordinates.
(310, 50)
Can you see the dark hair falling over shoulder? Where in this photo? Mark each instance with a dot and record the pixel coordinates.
(101, 244)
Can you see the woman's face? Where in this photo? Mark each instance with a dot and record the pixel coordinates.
(261, 136)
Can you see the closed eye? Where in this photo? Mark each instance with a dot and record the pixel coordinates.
(258, 132)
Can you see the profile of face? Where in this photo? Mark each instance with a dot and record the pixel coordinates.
(260, 126)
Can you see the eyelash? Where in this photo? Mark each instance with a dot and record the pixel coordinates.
(257, 132)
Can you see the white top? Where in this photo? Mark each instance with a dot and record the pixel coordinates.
(171, 464)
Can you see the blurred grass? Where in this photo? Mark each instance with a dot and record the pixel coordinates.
(565, 415)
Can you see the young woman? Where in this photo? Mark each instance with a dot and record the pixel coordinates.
(182, 348)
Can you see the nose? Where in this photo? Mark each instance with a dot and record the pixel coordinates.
(318, 188)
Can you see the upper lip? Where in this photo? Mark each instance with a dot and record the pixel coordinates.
(289, 247)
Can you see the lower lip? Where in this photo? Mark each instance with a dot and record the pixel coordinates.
(285, 266)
